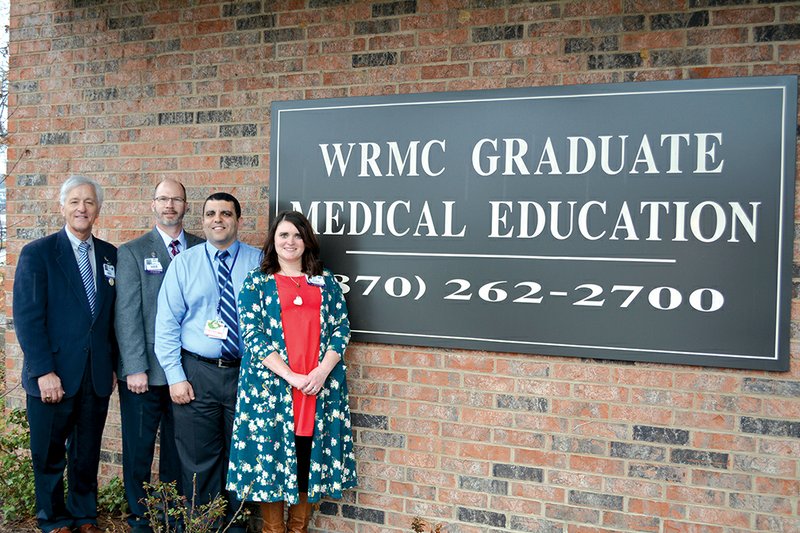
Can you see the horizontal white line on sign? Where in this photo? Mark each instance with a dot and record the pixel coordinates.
(585, 346)
(504, 256)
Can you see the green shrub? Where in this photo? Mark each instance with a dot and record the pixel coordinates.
(163, 497)
(17, 497)
(111, 498)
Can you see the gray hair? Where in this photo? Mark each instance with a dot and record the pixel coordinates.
(77, 181)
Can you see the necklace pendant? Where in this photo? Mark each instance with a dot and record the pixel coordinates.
(298, 300)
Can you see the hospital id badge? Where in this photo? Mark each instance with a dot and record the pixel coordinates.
(216, 329)
(152, 265)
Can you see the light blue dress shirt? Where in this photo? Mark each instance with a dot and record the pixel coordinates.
(188, 300)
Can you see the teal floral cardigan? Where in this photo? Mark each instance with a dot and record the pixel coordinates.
(263, 463)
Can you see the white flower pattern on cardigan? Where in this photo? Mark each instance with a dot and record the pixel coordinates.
(263, 463)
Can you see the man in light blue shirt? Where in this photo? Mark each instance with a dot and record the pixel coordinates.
(197, 345)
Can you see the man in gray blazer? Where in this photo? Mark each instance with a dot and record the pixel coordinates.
(144, 398)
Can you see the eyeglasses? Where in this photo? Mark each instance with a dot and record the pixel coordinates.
(168, 199)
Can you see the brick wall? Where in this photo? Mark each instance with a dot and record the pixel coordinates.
(132, 92)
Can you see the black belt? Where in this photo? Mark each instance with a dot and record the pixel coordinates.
(221, 363)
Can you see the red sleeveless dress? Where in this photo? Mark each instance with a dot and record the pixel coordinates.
(301, 329)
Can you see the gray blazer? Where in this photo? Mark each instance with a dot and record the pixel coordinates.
(137, 296)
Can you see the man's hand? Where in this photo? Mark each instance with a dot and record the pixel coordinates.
(50, 387)
(137, 383)
(181, 392)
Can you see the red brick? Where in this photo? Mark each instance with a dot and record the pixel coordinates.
(741, 17)
(489, 383)
(435, 478)
(498, 68)
(328, 31)
(444, 37)
(390, 374)
(656, 508)
(656, 378)
(418, 359)
(381, 501)
(423, 22)
(726, 517)
(486, 417)
(535, 12)
(391, 42)
(484, 452)
(600, 392)
(436, 412)
(621, 521)
(653, 39)
(783, 487)
(576, 409)
(461, 497)
(675, 399)
(539, 458)
(544, 492)
(467, 432)
(438, 378)
(717, 72)
(723, 441)
(410, 490)
(475, 84)
(696, 496)
(516, 505)
(772, 523)
(702, 420)
(610, 467)
(575, 372)
(423, 56)
(741, 54)
(630, 487)
(467, 398)
(522, 439)
(655, 416)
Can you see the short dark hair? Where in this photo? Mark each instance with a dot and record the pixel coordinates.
(225, 197)
(311, 263)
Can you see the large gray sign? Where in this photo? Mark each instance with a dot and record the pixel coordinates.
(646, 221)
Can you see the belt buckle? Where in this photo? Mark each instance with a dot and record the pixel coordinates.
(219, 363)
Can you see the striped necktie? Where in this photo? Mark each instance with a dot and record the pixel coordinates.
(227, 308)
(173, 248)
(85, 268)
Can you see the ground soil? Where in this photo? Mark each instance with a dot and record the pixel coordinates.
(110, 525)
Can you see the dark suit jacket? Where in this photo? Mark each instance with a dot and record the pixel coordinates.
(52, 319)
(137, 296)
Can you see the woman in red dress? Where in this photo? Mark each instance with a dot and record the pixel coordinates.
(292, 438)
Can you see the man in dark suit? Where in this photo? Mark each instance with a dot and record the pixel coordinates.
(144, 398)
(63, 317)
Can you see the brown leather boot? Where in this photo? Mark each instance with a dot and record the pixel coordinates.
(272, 517)
(299, 515)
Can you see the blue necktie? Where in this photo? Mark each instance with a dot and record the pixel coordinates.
(227, 308)
(85, 268)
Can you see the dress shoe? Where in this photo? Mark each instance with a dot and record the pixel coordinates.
(89, 528)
